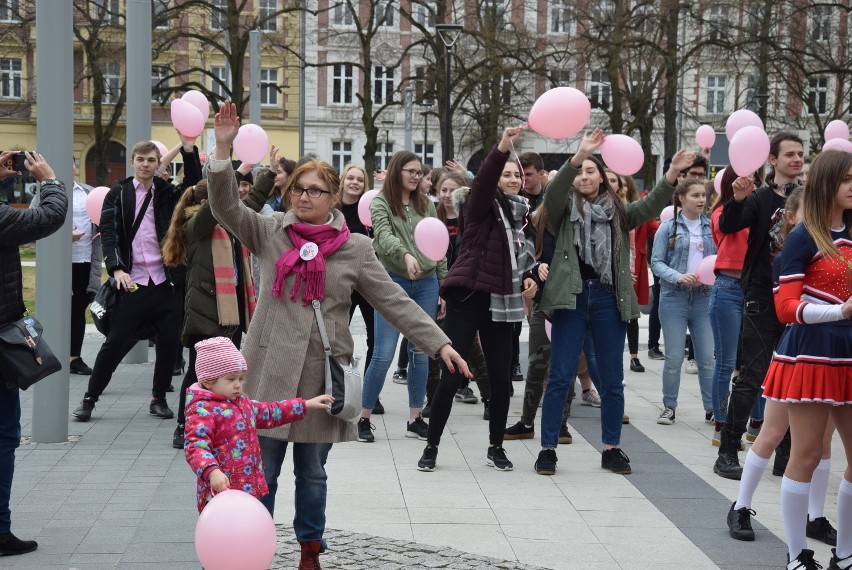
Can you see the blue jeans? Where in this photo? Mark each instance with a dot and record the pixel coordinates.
(311, 488)
(597, 315)
(425, 293)
(10, 439)
(681, 308)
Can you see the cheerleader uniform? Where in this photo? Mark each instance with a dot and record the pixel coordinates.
(813, 359)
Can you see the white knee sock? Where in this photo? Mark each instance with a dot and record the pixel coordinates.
(819, 487)
(844, 519)
(794, 510)
(753, 468)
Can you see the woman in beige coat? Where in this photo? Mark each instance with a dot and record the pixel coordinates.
(283, 347)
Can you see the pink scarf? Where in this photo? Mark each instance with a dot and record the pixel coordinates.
(310, 271)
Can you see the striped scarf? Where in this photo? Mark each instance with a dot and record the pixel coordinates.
(225, 272)
(510, 308)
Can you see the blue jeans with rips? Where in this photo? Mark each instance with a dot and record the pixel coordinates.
(596, 314)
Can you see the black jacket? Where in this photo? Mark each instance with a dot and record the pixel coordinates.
(18, 227)
(119, 213)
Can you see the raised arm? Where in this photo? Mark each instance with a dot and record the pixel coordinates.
(23, 226)
(650, 206)
(479, 204)
(559, 189)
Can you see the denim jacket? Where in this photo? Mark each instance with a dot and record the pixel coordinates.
(670, 263)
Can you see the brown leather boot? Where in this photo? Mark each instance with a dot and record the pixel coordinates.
(310, 555)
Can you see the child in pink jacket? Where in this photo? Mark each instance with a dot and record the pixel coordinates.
(221, 442)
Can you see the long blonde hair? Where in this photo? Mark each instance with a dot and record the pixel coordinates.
(828, 171)
(175, 244)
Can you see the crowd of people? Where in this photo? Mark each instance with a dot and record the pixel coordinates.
(225, 261)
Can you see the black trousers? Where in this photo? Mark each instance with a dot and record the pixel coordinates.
(633, 336)
(152, 308)
(79, 301)
(468, 312)
(367, 312)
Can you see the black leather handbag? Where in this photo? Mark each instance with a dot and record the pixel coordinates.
(103, 306)
(25, 357)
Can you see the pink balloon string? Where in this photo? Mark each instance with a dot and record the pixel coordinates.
(524, 186)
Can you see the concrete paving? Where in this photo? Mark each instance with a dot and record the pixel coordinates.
(117, 495)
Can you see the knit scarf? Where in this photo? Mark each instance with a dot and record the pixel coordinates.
(310, 271)
(510, 308)
(593, 234)
(225, 266)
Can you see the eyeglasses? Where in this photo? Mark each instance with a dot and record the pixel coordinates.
(312, 192)
(413, 173)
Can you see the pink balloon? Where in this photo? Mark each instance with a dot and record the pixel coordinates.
(560, 112)
(251, 143)
(705, 136)
(548, 328)
(836, 129)
(717, 181)
(162, 148)
(838, 144)
(667, 214)
(622, 154)
(95, 203)
(748, 150)
(705, 272)
(186, 118)
(432, 238)
(235, 531)
(364, 207)
(199, 101)
(740, 119)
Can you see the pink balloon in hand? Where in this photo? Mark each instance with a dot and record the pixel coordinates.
(251, 143)
(748, 151)
(705, 270)
(235, 531)
(622, 154)
(199, 101)
(432, 238)
(560, 113)
(186, 118)
(705, 136)
(364, 207)
(95, 203)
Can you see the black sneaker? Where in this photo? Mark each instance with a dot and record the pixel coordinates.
(805, 561)
(427, 460)
(427, 411)
(821, 530)
(178, 437)
(466, 395)
(836, 562)
(84, 410)
(365, 431)
(519, 431)
(11, 545)
(636, 366)
(546, 462)
(709, 419)
(739, 523)
(667, 417)
(656, 354)
(565, 435)
(160, 408)
(486, 415)
(400, 376)
(77, 366)
(378, 409)
(517, 375)
(616, 461)
(496, 458)
(418, 428)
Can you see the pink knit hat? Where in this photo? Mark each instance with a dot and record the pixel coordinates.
(217, 357)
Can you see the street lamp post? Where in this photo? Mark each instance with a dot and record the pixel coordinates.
(448, 33)
(425, 133)
(388, 123)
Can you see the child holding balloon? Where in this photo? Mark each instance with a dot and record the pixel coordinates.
(679, 246)
(222, 422)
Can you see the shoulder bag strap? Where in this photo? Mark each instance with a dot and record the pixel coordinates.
(325, 344)
(138, 221)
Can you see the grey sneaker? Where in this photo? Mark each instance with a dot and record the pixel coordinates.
(591, 398)
(667, 417)
(691, 367)
(466, 395)
(656, 354)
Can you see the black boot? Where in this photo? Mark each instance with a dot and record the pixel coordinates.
(11, 545)
(728, 463)
(782, 456)
(486, 415)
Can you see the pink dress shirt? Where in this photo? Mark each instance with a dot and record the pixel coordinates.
(145, 250)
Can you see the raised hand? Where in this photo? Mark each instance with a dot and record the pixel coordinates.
(273, 157)
(226, 125)
(37, 166)
(680, 161)
(510, 137)
(588, 146)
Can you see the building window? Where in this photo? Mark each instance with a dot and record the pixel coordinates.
(718, 24)
(494, 14)
(716, 94)
(424, 85)
(342, 80)
(601, 16)
(819, 22)
(218, 14)
(559, 77)
(383, 14)
(220, 83)
(341, 154)
(384, 152)
(341, 15)
(818, 95)
(506, 89)
(112, 82)
(383, 84)
(10, 78)
(424, 13)
(600, 90)
(159, 83)
(268, 15)
(10, 11)
(160, 14)
(105, 12)
(560, 16)
(428, 156)
(269, 87)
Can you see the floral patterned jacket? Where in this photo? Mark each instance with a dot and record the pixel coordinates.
(222, 433)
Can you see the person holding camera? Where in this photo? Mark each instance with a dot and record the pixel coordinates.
(18, 227)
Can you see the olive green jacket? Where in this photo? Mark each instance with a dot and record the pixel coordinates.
(563, 281)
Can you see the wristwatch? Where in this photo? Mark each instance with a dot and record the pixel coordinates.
(47, 181)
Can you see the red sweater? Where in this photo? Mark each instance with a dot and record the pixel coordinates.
(731, 247)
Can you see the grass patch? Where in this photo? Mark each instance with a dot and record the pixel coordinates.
(28, 252)
(29, 290)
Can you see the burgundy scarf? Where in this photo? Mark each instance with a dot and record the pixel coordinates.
(312, 271)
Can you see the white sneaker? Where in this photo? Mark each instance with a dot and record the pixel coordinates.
(691, 367)
(667, 417)
(591, 398)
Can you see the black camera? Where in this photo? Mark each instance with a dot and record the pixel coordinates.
(16, 162)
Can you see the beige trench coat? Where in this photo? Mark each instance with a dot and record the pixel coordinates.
(283, 347)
